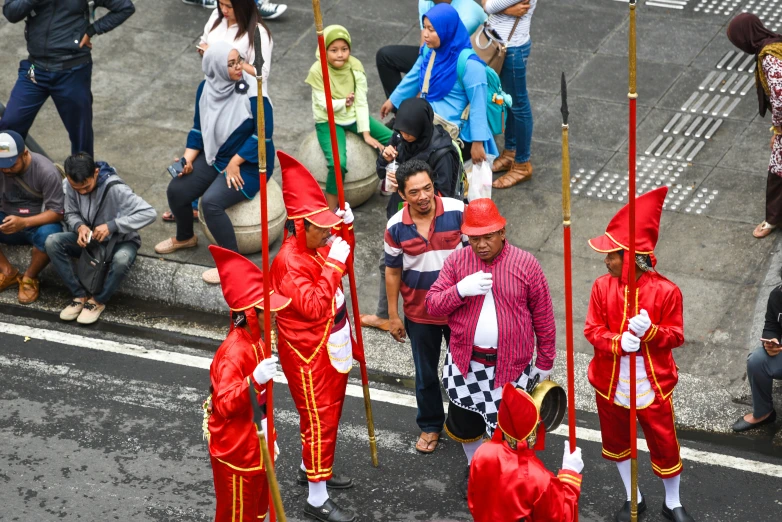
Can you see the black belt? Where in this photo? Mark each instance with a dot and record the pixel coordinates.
(60, 66)
(483, 355)
(340, 315)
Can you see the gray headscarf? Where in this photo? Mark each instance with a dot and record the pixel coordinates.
(222, 109)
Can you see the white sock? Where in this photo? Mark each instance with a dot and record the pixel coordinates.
(470, 448)
(672, 492)
(303, 468)
(318, 493)
(624, 471)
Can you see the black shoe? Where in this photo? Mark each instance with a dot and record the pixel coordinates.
(328, 512)
(465, 482)
(335, 482)
(623, 515)
(742, 425)
(677, 514)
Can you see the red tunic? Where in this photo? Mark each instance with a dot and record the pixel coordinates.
(607, 318)
(509, 485)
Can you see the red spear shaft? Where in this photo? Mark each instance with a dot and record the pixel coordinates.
(341, 196)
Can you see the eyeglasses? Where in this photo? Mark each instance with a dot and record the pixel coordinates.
(237, 63)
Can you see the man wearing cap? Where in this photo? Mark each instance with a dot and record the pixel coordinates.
(239, 364)
(418, 238)
(651, 324)
(509, 482)
(32, 208)
(315, 342)
(499, 309)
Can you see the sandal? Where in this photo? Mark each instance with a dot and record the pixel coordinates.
(168, 216)
(428, 439)
(518, 173)
(504, 162)
(764, 229)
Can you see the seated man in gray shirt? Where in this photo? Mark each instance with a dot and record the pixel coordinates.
(98, 207)
(32, 208)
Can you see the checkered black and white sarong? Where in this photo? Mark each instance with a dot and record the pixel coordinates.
(475, 391)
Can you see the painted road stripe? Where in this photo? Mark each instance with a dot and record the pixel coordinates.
(399, 399)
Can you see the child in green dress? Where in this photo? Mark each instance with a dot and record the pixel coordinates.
(349, 98)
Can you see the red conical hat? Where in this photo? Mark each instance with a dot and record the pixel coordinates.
(518, 415)
(242, 282)
(302, 195)
(482, 217)
(648, 211)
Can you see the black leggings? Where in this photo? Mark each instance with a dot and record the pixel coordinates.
(393, 62)
(207, 183)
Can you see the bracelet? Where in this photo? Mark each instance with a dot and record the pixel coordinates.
(774, 131)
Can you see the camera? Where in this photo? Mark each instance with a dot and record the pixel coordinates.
(176, 168)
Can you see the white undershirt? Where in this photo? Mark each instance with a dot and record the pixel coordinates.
(487, 330)
(644, 395)
(223, 33)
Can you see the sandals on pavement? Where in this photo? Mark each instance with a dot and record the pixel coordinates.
(764, 229)
(430, 442)
(170, 245)
(504, 162)
(9, 280)
(518, 173)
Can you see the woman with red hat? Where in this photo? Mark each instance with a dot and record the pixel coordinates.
(652, 325)
(237, 464)
(509, 482)
(499, 309)
(315, 345)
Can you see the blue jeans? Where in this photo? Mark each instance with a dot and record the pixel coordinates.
(518, 123)
(71, 92)
(426, 340)
(63, 249)
(35, 236)
(762, 369)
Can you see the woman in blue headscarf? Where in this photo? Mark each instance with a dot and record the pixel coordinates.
(435, 76)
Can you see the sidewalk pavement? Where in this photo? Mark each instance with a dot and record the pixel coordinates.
(146, 73)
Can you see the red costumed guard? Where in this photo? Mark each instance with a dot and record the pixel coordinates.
(240, 481)
(652, 322)
(508, 482)
(315, 343)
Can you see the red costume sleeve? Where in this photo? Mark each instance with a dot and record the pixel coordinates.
(668, 332)
(231, 399)
(312, 299)
(559, 502)
(596, 330)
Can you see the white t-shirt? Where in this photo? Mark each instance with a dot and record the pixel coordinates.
(223, 33)
(487, 332)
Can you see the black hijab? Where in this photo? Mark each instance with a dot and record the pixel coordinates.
(748, 33)
(415, 117)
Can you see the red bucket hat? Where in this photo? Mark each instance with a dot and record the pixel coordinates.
(302, 195)
(242, 282)
(648, 211)
(482, 217)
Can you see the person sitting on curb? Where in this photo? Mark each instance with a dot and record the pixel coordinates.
(32, 208)
(96, 195)
(763, 366)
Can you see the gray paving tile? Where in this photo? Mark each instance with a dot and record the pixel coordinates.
(563, 26)
(741, 197)
(688, 83)
(546, 64)
(750, 151)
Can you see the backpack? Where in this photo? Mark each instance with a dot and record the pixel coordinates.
(458, 177)
(497, 100)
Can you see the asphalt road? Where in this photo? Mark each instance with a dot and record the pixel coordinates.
(94, 435)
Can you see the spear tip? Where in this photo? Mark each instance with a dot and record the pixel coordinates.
(258, 54)
(564, 109)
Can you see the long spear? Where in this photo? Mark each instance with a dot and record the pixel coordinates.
(274, 488)
(341, 196)
(571, 376)
(632, 95)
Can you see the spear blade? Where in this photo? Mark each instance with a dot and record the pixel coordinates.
(564, 109)
(258, 63)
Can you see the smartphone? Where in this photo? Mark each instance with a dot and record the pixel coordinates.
(89, 237)
(176, 168)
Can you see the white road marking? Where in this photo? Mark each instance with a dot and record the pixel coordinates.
(399, 399)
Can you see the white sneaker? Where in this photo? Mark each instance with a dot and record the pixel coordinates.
(211, 276)
(72, 311)
(202, 3)
(269, 10)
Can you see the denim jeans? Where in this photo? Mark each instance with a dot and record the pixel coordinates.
(426, 340)
(63, 250)
(35, 236)
(518, 123)
(762, 369)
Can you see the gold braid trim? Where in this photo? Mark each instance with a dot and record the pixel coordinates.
(775, 50)
(207, 407)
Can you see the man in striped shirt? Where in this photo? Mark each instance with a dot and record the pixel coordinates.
(499, 308)
(418, 239)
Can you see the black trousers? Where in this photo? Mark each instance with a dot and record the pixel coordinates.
(393, 62)
(207, 183)
(463, 425)
(773, 199)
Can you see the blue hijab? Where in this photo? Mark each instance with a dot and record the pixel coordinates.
(453, 39)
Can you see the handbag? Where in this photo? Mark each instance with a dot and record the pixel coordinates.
(95, 258)
(489, 46)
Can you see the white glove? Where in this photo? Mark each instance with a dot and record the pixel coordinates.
(640, 323)
(265, 370)
(572, 461)
(266, 431)
(340, 298)
(630, 343)
(537, 371)
(340, 250)
(478, 283)
(346, 215)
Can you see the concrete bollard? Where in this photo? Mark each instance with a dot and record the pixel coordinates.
(246, 219)
(361, 180)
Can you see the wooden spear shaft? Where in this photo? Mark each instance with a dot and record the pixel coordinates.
(631, 299)
(274, 488)
(341, 196)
